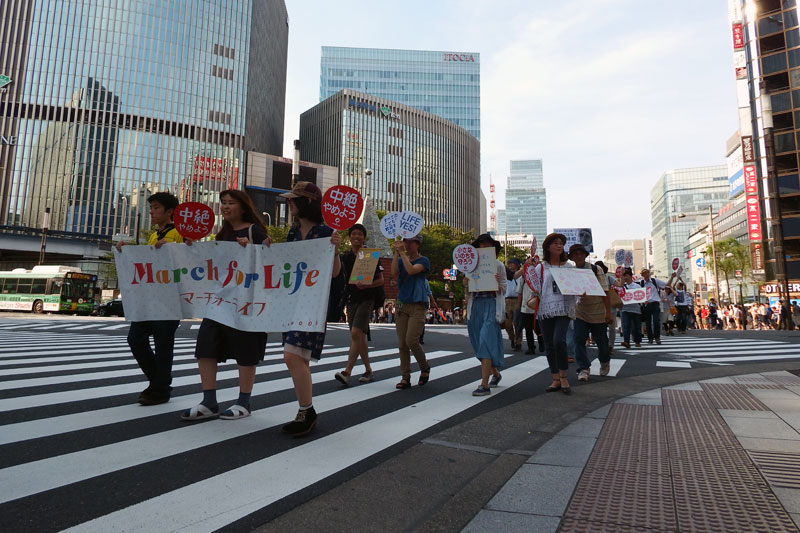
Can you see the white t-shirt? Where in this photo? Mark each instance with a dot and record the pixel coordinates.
(527, 293)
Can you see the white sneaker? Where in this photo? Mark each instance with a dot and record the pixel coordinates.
(343, 378)
(583, 375)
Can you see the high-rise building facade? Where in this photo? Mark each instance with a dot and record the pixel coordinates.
(766, 52)
(104, 104)
(679, 202)
(420, 162)
(526, 199)
(445, 83)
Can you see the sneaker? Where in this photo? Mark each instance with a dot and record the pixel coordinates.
(366, 377)
(604, 368)
(583, 375)
(342, 378)
(304, 422)
(495, 380)
(481, 391)
(638, 345)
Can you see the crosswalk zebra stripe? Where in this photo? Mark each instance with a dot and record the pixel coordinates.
(38, 476)
(218, 501)
(24, 402)
(745, 358)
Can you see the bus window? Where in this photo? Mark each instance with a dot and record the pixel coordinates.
(66, 289)
(10, 286)
(24, 286)
(39, 286)
(53, 286)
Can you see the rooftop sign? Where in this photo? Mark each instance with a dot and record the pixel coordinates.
(449, 56)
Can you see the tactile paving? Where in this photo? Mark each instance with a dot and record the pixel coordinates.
(677, 468)
(781, 469)
(784, 379)
(732, 396)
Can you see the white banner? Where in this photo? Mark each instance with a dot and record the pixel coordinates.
(634, 296)
(254, 288)
(577, 281)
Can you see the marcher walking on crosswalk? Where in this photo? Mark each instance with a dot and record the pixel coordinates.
(486, 312)
(156, 365)
(556, 310)
(592, 316)
(360, 298)
(217, 342)
(631, 314)
(410, 268)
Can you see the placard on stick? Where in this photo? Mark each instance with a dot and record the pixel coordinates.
(577, 281)
(364, 266)
(193, 220)
(483, 277)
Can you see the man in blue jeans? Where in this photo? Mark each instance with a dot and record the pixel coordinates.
(651, 313)
(592, 315)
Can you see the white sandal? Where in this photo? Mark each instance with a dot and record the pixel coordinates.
(235, 411)
(199, 412)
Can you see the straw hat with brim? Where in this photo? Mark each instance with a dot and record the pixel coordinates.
(485, 237)
(577, 248)
(304, 189)
(549, 240)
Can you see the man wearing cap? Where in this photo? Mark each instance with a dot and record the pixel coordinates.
(515, 337)
(651, 312)
(592, 314)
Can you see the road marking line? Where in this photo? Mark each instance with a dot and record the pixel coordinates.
(673, 364)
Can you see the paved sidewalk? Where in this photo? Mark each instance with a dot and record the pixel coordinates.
(720, 454)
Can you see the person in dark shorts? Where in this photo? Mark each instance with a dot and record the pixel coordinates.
(360, 303)
(217, 342)
(301, 347)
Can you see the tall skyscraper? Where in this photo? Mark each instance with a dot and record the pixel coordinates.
(445, 83)
(678, 203)
(526, 199)
(103, 104)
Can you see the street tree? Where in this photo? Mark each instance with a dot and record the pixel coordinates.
(731, 256)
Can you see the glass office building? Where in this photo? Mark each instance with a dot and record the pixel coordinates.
(106, 103)
(526, 200)
(446, 84)
(419, 161)
(679, 203)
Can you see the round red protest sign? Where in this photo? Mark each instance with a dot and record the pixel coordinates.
(533, 247)
(193, 220)
(619, 271)
(675, 263)
(341, 206)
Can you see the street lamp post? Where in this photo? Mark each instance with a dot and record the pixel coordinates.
(705, 279)
(713, 250)
(45, 227)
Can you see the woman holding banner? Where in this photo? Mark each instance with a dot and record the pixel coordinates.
(555, 312)
(300, 347)
(216, 342)
(486, 311)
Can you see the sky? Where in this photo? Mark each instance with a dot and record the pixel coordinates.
(610, 94)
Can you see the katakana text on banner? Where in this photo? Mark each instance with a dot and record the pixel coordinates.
(254, 288)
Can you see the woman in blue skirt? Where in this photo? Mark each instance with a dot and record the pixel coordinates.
(485, 314)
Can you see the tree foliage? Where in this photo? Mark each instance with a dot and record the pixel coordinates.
(739, 259)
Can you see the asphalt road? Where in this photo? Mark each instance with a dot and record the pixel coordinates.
(77, 451)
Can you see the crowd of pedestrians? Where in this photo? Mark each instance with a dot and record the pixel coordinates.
(560, 326)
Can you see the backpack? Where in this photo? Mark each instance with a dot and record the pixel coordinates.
(337, 297)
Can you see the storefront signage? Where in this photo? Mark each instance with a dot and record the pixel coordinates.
(753, 218)
(748, 156)
(459, 57)
(756, 258)
(8, 141)
(772, 288)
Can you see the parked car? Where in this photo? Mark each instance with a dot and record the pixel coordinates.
(109, 308)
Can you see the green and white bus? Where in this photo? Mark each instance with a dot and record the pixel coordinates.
(57, 289)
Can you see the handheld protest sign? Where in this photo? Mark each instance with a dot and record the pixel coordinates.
(628, 258)
(619, 271)
(465, 256)
(533, 277)
(533, 247)
(389, 225)
(675, 263)
(364, 265)
(193, 220)
(619, 257)
(409, 224)
(341, 206)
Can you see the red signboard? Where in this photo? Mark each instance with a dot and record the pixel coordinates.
(341, 206)
(750, 180)
(753, 218)
(738, 36)
(676, 263)
(193, 220)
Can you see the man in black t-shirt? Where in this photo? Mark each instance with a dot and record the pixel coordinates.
(360, 297)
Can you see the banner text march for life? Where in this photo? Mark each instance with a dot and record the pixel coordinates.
(254, 288)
